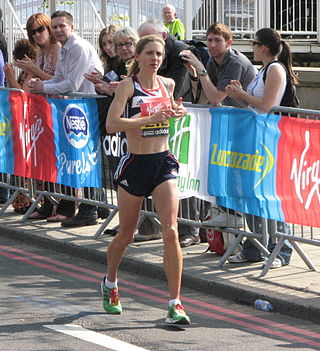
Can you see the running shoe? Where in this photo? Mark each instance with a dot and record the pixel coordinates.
(177, 315)
(111, 301)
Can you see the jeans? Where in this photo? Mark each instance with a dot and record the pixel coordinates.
(251, 253)
(87, 210)
(4, 192)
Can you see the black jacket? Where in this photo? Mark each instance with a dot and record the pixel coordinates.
(172, 66)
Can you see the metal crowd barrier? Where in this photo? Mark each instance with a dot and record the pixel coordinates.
(106, 197)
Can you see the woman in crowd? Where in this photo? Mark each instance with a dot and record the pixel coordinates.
(124, 44)
(111, 61)
(264, 92)
(42, 39)
(23, 50)
(147, 168)
(43, 66)
(117, 48)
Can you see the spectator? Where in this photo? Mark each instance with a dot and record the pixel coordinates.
(111, 63)
(147, 168)
(172, 22)
(123, 44)
(23, 50)
(261, 95)
(123, 49)
(172, 66)
(47, 48)
(77, 56)
(225, 64)
(41, 38)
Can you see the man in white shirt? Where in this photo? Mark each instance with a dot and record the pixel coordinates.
(77, 56)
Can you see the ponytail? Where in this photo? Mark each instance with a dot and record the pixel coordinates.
(132, 67)
(286, 58)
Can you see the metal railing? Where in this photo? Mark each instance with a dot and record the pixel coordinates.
(193, 212)
(297, 19)
(294, 18)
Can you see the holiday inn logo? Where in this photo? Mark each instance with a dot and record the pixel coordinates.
(180, 138)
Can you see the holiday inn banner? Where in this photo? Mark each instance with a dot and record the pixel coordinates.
(266, 165)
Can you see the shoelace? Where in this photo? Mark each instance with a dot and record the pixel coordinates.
(179, 308)
(113, 297)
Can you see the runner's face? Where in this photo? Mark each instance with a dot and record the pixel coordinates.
(151, 56)
(217, 45)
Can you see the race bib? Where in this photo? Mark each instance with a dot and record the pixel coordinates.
(150, 107)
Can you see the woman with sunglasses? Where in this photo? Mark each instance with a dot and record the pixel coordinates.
(42, 39)
(267, 88)
(264, 92)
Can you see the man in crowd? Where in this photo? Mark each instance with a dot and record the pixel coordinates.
(172, 22)
(77, 56)
(225, 64)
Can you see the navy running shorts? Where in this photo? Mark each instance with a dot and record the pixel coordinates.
(140, 174)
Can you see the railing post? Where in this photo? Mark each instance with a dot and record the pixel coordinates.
(133, 14)
(103, 11)
(52, 6)
(263, 13)
(188, 19)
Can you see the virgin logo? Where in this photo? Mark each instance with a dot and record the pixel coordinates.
(29, 134)
(305, 176)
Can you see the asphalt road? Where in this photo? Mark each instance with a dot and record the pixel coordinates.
(51, 301)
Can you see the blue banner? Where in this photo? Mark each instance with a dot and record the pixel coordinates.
(242, 168)
(6, 142)
(76, 135)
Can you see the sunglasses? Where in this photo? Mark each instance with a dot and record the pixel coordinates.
(126, 44)
(37, 30)
(256, 43)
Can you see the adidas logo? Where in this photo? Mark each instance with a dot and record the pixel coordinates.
(139, 102)
(124, 182)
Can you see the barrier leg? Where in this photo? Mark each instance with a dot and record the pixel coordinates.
(9, 202)
(303, 256)
(105, 223)
(31, 208)
(230, 250)
(272, 256)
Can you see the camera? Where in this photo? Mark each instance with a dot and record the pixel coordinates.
(182, 58)
(110, 76)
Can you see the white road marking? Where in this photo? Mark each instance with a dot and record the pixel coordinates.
(93, 337)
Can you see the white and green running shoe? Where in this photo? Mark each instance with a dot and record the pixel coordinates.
(177, 315)
(111, 301)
